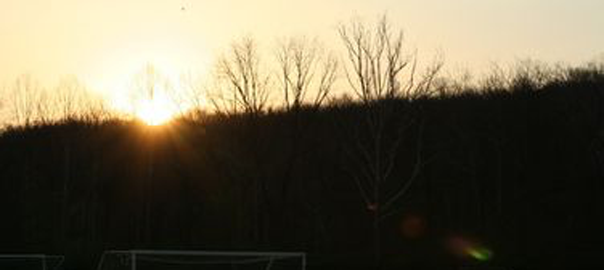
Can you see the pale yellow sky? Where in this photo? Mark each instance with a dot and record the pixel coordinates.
(105, 43)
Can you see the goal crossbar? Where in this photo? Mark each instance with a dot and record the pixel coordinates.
(271, 255)
(44, 258)
(30, 256)
(209, 253)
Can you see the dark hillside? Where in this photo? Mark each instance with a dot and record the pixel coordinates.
(518, 170)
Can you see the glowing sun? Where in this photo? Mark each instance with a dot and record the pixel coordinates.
(155, 111)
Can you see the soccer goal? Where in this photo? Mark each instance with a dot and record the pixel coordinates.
(30, 261)
(200, 260)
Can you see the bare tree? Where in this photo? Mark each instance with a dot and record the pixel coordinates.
(95, 110)
(26, 97)
(382, 76)
(69, 99)
(151, 86)
(242, 84)
(303, 65)
(375, 58)
(148, 82)
(193, 98)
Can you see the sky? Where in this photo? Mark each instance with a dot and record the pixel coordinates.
(104, 43)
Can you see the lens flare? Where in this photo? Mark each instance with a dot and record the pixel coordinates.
(465, 248)
(372, 207)
(413, 227)
(480, 253)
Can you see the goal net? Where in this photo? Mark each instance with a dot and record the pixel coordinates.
(198, 260)
(30, 261)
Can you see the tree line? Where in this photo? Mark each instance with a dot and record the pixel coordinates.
(298, 71)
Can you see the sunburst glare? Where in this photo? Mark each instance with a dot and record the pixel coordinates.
(156, 110)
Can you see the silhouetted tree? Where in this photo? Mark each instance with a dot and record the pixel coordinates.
(304, 67)
(26, 98)
(242, 82)
(194, 96)
(376, 65)
(69, 96)
(71, 100)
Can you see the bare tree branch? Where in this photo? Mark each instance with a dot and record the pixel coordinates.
(241, 74)
(303, 66)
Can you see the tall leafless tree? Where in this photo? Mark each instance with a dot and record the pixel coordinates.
(303, 67)
(69, 99)
(148, 82)
(379, 72)
(243, 85)
(193, 98)
(26, 98)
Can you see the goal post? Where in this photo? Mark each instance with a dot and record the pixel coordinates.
(31, 261)
(201, 259)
